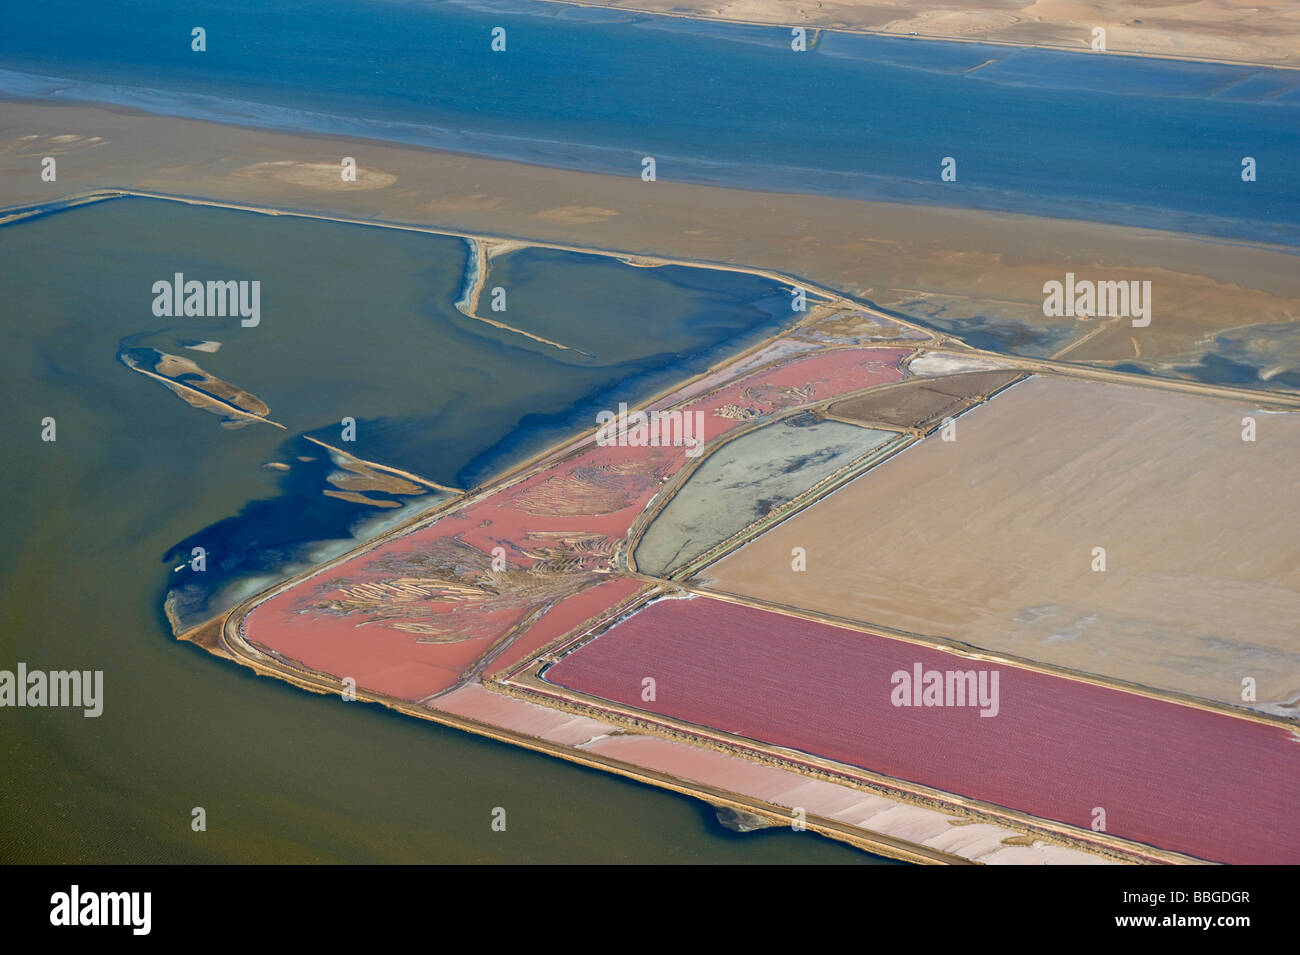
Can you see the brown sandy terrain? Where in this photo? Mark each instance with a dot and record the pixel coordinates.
(176, 367)
(355, 477)
(199, 389)
(983, 263)
(314, 175)
(35, 146)
(920, 404)
(989, 540)
(1248, 31)
(358, 498)
(851, 326)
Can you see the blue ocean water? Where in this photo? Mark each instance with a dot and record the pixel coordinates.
(1152, 143)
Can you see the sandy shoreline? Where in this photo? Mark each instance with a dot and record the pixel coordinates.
(1221, 31)
(969, 266)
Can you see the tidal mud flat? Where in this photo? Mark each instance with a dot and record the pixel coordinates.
(1137, 112)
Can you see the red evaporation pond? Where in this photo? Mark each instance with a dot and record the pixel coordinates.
(1202, 783)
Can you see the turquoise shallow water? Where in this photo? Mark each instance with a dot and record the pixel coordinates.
(1153, 143)
(284, 776)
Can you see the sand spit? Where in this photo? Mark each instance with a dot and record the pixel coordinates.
(356, 477)
(199, 389)
(880, 252)
(477, 266)
(1232, 31)
(203, 346)
(380, 477)
(990, 541)
(357, 498)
